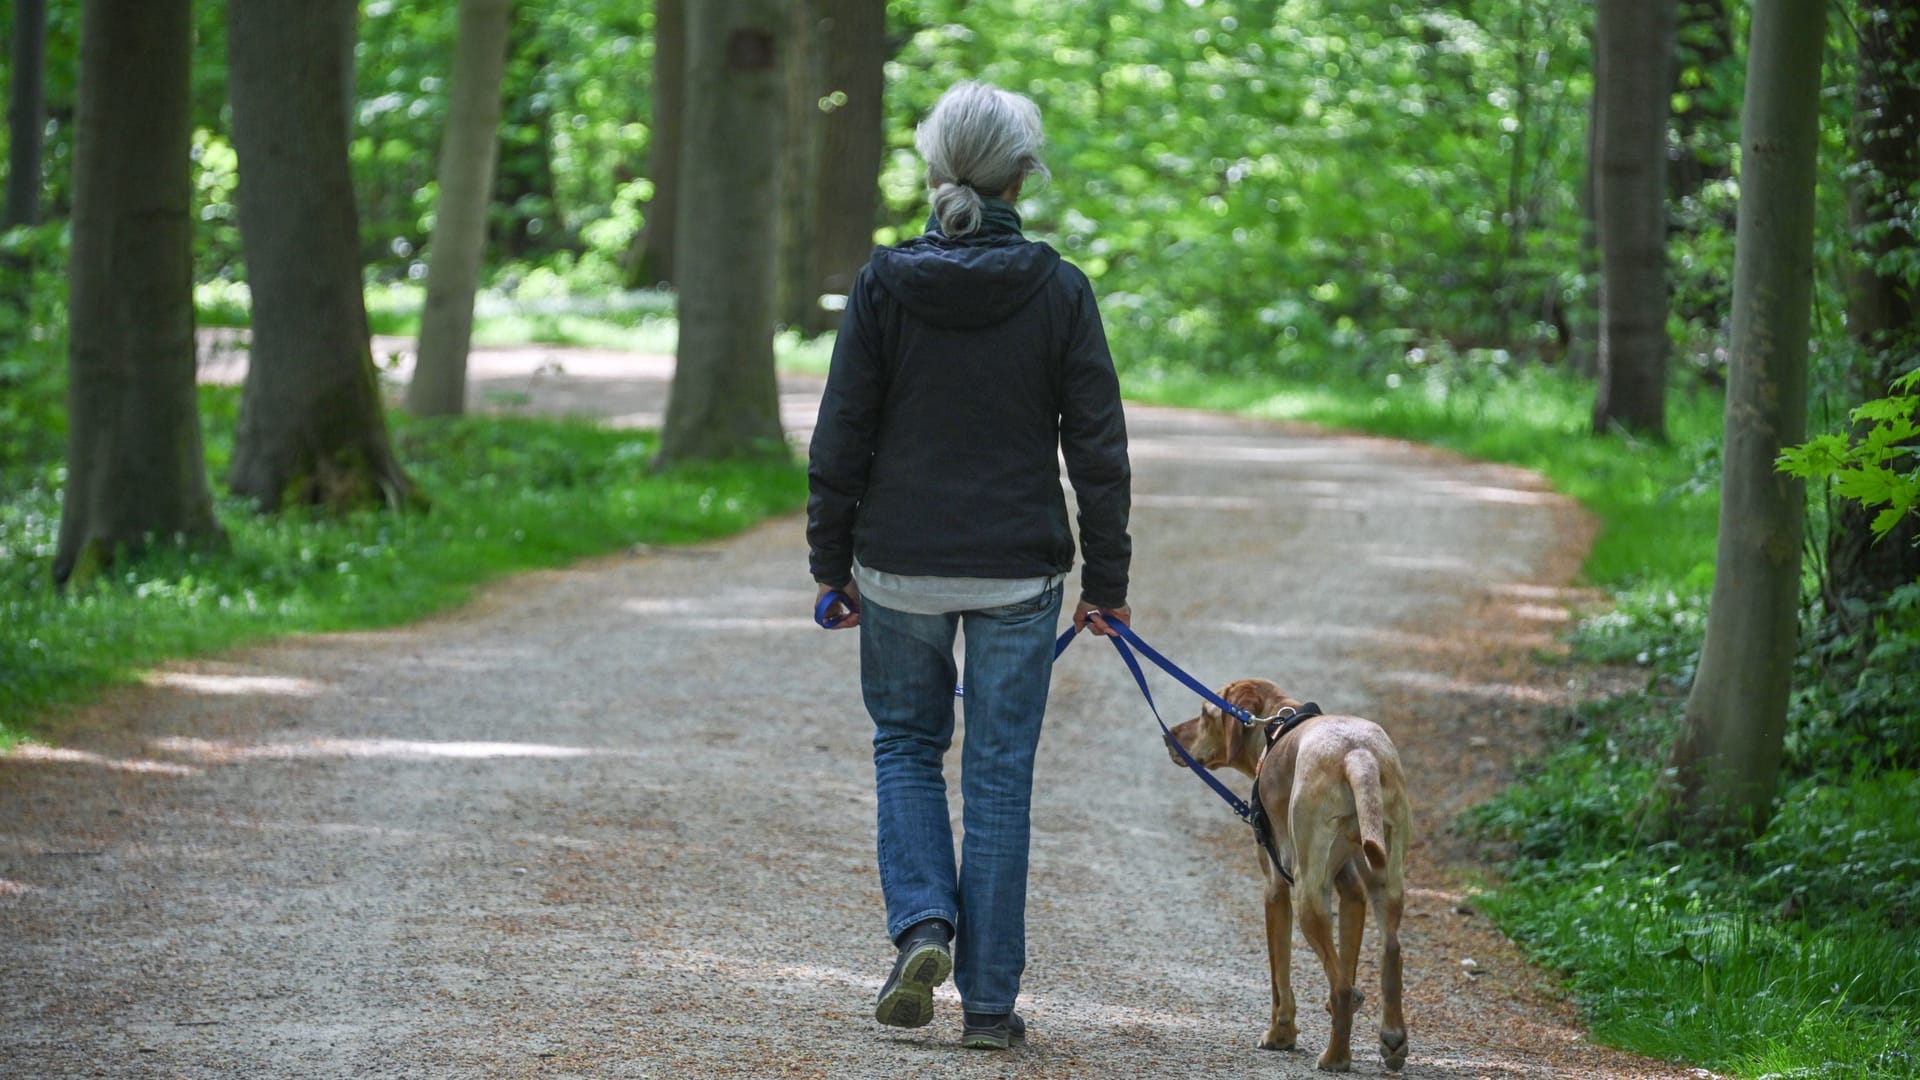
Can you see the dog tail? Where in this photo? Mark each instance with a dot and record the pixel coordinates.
(1363, 777)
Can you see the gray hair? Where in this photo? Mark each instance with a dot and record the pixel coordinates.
(979, 141)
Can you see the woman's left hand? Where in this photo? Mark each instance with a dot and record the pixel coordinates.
(841, 614)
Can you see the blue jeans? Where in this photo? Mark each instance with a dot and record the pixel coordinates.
(907, 677)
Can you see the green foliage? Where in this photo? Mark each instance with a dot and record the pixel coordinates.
(33, 346)
(1798, 952)
(508, 494)
(574, 135)
(1237, 178)
(1879, 468)
(1855, 708)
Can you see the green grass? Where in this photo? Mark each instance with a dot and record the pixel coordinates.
(507, 495)
(1663, 965)
(1797, 956)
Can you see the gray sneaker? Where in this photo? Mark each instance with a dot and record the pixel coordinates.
(991, 1031)
(925, 961)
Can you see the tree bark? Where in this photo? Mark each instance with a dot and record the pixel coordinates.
(311, 428)
(650, 260)
(848, 199)
(724, 400)
(1883, 309)
(26, 113)
(135, 470)
(1633, 45)
(796, 291)
(1726, 760)
(467, 156)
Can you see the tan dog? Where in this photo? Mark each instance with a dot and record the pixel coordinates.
(1333, 789)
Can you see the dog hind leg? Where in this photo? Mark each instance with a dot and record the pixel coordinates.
(1388, 895)
(1316, 925)
(1353, 925)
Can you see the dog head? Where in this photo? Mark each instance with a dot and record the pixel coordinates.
(1217, 740)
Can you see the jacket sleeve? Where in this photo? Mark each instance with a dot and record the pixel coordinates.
(840, 457)
(1093, 440)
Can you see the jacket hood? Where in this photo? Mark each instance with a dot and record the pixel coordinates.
(978, 280)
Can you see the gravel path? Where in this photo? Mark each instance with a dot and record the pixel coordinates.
(616, 820)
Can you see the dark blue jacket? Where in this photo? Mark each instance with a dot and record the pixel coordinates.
(964, 371)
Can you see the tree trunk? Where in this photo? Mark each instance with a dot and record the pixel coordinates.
(348, 27)
(724, 400)
(1883, 310)
(796, 292)
(1583, 355)
(650, 261)
(439, 386)
(311, 428)
(1726, 760)
(26, 113)
(848, 181)
(135, 470)
(1633, 44)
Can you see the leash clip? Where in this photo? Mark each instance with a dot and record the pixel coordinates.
(1286, 713)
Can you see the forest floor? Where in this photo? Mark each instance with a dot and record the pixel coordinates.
(616, 820)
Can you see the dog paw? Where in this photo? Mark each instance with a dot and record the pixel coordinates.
(1393, 1049)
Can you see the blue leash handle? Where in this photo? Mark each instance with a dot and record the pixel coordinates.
(825, 604)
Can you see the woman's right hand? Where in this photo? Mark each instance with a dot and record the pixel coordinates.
(1084, 617)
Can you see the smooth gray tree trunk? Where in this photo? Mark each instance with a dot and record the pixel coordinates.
(1633, 50)
(312, 430)
(136, 474)
(847, 199)
(724, 399)
(796, 292)
(26, 113)
(467, 158)
(1725, 765)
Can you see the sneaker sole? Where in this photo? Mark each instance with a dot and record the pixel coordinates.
(993, 1038)
(986, 1040)
(909, 1003)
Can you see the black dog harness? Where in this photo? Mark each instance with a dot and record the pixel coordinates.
(1277, 729)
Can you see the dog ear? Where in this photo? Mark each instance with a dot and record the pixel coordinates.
(1246, 694)
(1233, 734)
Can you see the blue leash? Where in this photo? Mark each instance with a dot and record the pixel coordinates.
(1123, 635)
(1252, 813)
(835, 596)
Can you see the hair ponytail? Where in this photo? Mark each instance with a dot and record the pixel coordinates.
(958, 207)
(978, 141)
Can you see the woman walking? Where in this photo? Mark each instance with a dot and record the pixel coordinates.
(970, 361)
